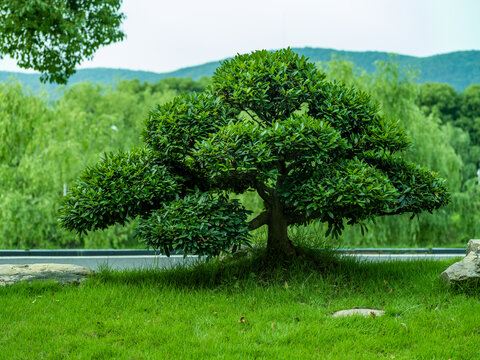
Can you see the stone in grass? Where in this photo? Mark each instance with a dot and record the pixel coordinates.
(359, 311)
(467, 269)
(63, 273)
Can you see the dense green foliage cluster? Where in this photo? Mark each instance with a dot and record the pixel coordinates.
(44, 145)
(199, 223)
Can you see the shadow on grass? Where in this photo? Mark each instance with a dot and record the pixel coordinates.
(35, 288)
(469, 288)
(255, 268)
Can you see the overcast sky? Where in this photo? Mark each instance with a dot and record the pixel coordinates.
(168, 35)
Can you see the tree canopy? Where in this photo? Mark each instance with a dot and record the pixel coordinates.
(440, 99)
(56, 35)
(271, 123)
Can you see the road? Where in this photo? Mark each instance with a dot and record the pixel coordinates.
(141, 259)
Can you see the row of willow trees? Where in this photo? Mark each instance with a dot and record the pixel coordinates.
(44, 144)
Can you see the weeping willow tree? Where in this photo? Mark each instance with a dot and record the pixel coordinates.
(396, 92)
(43, 146)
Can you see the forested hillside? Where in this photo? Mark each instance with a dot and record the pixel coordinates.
(45, 143)
(458, 69)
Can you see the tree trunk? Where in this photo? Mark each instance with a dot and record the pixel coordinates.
(278, 243)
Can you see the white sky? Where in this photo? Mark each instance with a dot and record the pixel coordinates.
(168, 35)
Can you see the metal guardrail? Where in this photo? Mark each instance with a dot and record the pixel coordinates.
(123, 259)
(142, 252)
(78, 252)
(433, 251)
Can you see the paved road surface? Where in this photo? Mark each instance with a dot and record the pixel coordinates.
(125, 259)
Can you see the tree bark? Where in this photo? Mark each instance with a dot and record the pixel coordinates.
(278, 243)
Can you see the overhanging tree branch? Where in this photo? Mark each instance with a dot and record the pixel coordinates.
(53, 37)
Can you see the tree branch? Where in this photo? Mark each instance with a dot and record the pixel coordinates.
(264, 191)
(265, 119)
(259, 221)
(253, 118)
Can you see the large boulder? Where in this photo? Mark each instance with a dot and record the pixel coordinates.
(466, 269)
(63, 273)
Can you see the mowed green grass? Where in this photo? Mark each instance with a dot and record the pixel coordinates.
(245, 309)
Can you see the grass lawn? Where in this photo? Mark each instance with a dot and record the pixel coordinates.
(242, 309)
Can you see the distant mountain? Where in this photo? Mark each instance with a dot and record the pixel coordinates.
(459, 69)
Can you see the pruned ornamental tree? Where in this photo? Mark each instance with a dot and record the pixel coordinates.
(53, 36)
(271, 123)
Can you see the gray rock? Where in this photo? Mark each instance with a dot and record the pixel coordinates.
(63, 273)
(473, 245)
(361, 312)
(466, 269)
